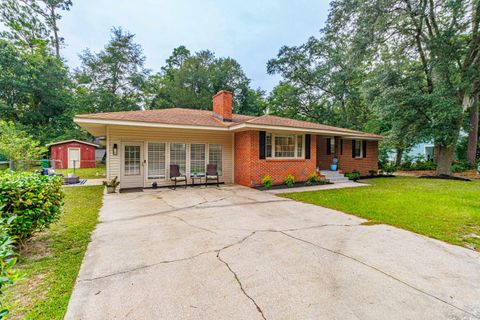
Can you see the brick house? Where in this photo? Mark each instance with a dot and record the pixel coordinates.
(141, 145)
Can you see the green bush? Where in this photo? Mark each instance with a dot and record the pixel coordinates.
(31, 201)
(389, 169)
(354, 175)
(7, 261)
(313, 178)
(460, 166)
(267, 181)
(290, 180)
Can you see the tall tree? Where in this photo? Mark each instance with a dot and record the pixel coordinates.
(112, 79)
(190, 80)
(441, 37)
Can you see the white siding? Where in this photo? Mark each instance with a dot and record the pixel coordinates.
(120, 134)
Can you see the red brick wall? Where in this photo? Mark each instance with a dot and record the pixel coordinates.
(222, 104)
(345, 161)
(249, 169)
(59, 152)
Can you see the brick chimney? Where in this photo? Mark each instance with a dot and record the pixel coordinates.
(222, 105)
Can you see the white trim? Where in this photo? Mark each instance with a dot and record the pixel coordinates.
(147, 124)
(230, 128)
(73, 140)
(79, 157)
(296, 157)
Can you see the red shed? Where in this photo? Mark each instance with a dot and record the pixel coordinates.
(69, 153)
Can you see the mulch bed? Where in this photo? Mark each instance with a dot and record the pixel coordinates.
(445, 177)
(295, 185)
(470, 174)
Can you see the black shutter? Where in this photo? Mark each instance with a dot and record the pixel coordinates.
(261, 145)
(329, 146)
(353, 148)
(364, 148)
(341, 146)
(307, 146)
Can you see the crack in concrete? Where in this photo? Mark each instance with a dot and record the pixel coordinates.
(191, 224)
(381, 271)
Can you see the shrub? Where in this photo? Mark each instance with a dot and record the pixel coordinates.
(7, 261)
(30, 201)
(313, 178)
(354, 175)
(460, 166)
(389, 169)
(290, 180)
(267, 181)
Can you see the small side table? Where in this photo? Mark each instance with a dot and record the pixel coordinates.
(196, 177)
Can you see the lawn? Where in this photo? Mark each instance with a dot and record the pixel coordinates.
(52, 261)
(86, 173)
(442, 209)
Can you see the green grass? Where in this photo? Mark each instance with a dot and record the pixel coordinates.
(52, 260)
(442, 209)
(86, 173)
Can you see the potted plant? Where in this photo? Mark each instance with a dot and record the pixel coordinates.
(111, 185)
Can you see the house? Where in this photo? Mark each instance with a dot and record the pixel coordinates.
(141, 145)
(72, 154)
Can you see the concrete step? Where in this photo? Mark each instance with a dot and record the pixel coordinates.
(334, 176)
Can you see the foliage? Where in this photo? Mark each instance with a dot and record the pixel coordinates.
(460, 166)
(289, 181)
(112, 183)
(18, 145)
(313, 178)
(190, 80)
(267, 181)
(52, 262)
(417, 163)
(354, 175)
(34, 201)
(389, 169)
(7, 261)
(112, 79)
(442, 209)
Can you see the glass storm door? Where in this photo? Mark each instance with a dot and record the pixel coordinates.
(132, 165)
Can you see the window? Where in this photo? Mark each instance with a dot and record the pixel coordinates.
(156, 160)
(299, 146)
(132, 160)
(197, 158)
(284, 146)
(358, 149)
(178, 155)
(332, 145)
(268, 145)
(215, 156)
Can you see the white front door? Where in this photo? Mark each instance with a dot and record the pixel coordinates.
(132, 165)
(73, 158)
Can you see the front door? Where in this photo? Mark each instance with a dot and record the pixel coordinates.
(132, 165)
(73, 158)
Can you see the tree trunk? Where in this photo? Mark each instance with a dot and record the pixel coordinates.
(398, 159)
(55, 31)
(473, 135)
(444, 156)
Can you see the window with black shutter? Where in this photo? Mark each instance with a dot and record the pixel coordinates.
(261, 145)
(307, 146)
(364, 155)
(329, 146)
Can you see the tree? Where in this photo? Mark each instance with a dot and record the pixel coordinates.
(190, 81)
(17, 145)
(33, 23)
(440, 37)
(35, 91)
(112, 79)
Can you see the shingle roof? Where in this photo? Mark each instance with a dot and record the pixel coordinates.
(193, 117)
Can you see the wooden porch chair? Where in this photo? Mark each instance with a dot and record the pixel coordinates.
(212, 174)
(176, 176)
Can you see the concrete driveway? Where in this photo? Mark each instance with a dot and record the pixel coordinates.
(236, 253)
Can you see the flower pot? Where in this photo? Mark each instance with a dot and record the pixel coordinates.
(111, 189)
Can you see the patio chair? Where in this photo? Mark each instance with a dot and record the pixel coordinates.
(176, 176)
(212, 174)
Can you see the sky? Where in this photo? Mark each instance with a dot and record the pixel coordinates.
(250, 31)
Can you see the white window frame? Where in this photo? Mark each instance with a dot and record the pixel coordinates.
(361, 149)
(166, 160)
(297, 156)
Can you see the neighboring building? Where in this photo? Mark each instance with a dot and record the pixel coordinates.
(420, 150)
(141, 145)
(72, 153)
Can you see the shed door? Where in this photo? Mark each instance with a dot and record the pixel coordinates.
(73, 157)
(132, 165)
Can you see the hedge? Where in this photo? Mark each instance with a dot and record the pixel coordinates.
(30, 202)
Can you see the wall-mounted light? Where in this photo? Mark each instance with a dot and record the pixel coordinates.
(115, 149)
